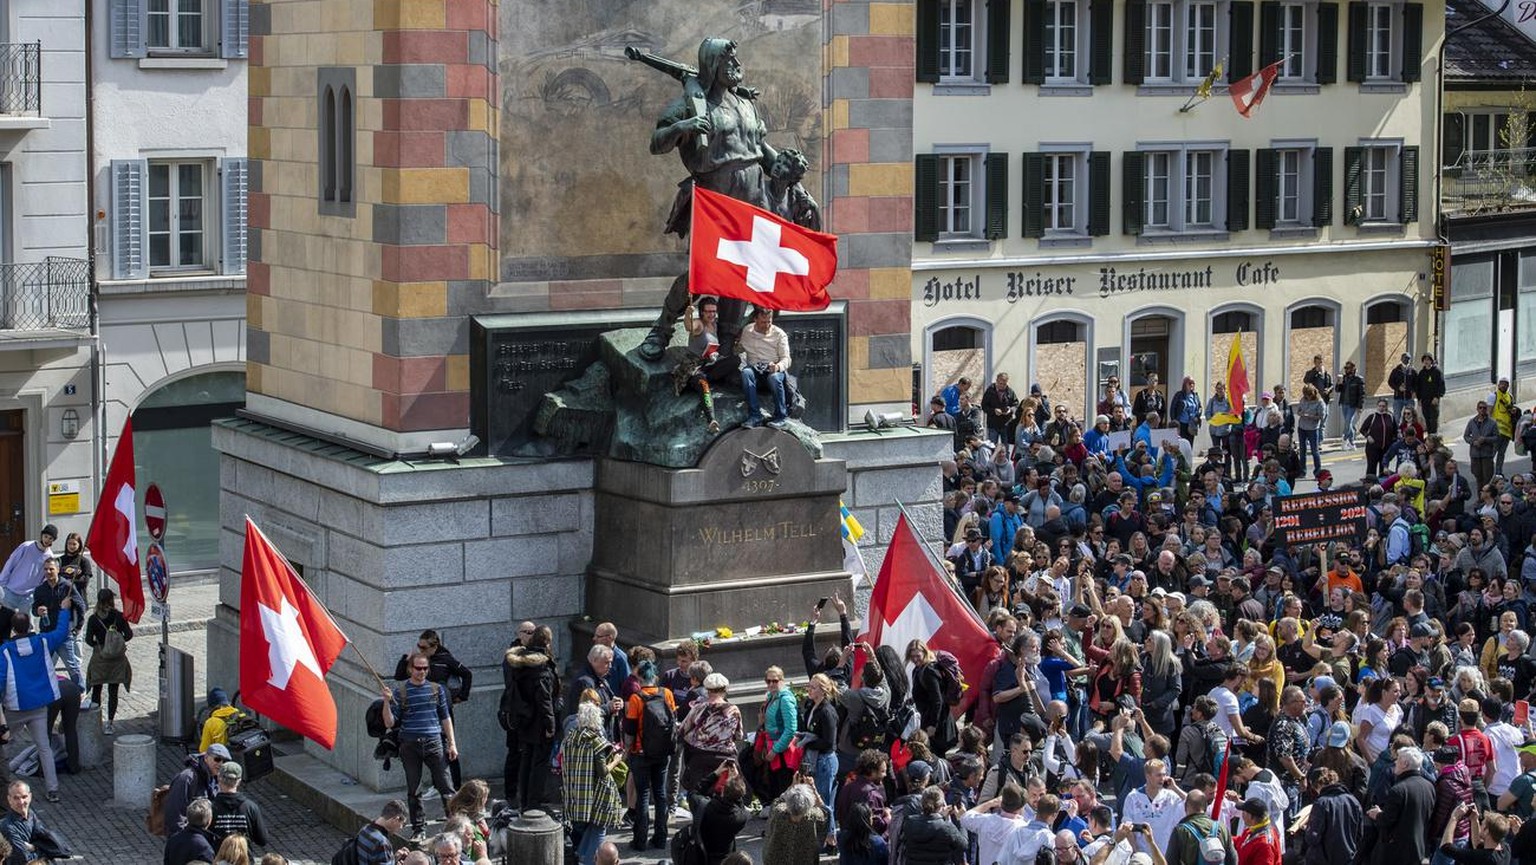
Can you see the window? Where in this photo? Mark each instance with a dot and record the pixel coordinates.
(1160, 41)
(1061, 188)
(1294, 185)
(1182, 38)
(1059, 332)
(1381, 183)
(336, 143)
(1378, 42)
(175, 25)
(1159, 190)
(1061, 35)
(1066, 194)
(1288, 186)
(1235, 321)
(960, 194)
(1486, 140)
(1293, 40)
(178, 216)
(1386, 42)
(957, 189)
(1199, 40)
(142, 28)
(1184, 189)
(957, 35)
(1199, 188)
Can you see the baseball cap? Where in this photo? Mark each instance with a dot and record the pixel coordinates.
(1529, 748)
(1179, 595)
(1266, 395)
(973, 534)
(919, 769)
(1080, 611)
(1015, 498)
(219, 751)
(231, 771)
(1159, 592)
(1198, 581)
(1322, 682)
(1325, 475)
(1445, 755)
(1439, 685)
(1103, 418)
(1421, 629)
(1339, 734)
(1140, 858)
(1469, 706)
(1254, 806)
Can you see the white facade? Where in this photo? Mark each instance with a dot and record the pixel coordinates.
(1081, 225)
(168, 162)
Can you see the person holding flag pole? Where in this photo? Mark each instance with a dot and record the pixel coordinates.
(1225, 410)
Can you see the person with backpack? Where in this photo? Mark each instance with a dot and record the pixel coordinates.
(107, 632)
(1201, 741)
(650, 719)
(932, 687)
(420, 708)
(1197, 839)
(530, 703)
(449, 673)
(866, 713)
(371, 845)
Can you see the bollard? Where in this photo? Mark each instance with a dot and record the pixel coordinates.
(93, 745)
(133, 770)
(535, 839)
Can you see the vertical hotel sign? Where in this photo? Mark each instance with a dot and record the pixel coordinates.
(1439, 276)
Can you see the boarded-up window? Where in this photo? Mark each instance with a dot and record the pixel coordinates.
(955, 353)
(1061, 364)
(1386, 340)
(1221, 348)
(1311, 333)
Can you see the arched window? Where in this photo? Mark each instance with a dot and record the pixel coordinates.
(1233, 321)
(1312, 329)
(956, 350)
(1060, 363)
(1387, 332)
(344, 147)
(327, 139)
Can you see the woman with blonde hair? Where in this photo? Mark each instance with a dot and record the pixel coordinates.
(234, 851)
(1119, 675)
(819, 739)
(928, 697)
(1264, 665)
(471, 802)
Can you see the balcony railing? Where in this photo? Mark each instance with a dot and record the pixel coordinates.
(21, 78)
(39, 295)
(1491, 180)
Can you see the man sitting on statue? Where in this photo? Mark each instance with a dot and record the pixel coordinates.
(765, 347)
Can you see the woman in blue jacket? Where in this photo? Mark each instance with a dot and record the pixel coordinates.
(29, 684)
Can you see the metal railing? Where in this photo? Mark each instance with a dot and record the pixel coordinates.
(21, 78)
(52, 293)
(1486, 180)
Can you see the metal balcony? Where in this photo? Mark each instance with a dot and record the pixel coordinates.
(21, 78)
(1491, 181)
(48, 295)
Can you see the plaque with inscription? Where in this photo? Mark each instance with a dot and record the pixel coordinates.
(516, 359)
(818, 351)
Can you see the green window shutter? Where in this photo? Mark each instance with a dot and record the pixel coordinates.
(127, 23)
(1357, 34)
(1408, 184)
(997, 196)
(925, 198)
(1352, 198)
(1034, 195)
(1135, 70)
(1237, 190)
(1413, 41)
(1266, 174)
(130, 218)
(1530, 139)
(1098, 193)
(235, 38)
(1101, 26)
(1240, 42)
(1034, 42)
(234, 174)
(928, 41)
(1322, 186)
(1453, 137)
(1133, 180)
(1269, 33)
(999, 32)
(1327, 43)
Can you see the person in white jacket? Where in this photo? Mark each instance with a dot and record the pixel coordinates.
(23, 570)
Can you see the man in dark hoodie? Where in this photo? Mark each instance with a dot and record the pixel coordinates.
(1337, 823)
(932, 838)
(194, 781)
(233, 812)
(837, 663)
(873, 698)
(194, 843)
(530, 702)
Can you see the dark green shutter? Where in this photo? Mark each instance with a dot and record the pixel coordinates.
(1408, 184)
(1034, 195)
(1327, 42)
(1034, 42)
(1101, 26)
(925, 198)
(1322, 186)
(1266, 180)
(1269, 33)
(1240, 41)
(1133, 182)
(928, 41)
(1353, 200)
(997, 196)
(1135, 41)
(1453, 139)
(1413, 41)
(999, 33)
(1530, 140)
(1357, 37)
(1098, 193)
(1237, 190)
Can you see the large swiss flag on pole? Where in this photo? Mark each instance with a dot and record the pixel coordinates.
(740, 251)
(113, 538)
(912, 600)
(287, 643)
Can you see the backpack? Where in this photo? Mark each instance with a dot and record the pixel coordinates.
(1212, 849)
(1418, 539)
(348, 854)
(657, 723)
(373, 719)
(113, 647)
(951, 676)
(154, 822)
(871, 728)
(1528, 437)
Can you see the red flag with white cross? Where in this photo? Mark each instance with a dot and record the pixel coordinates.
(743, 252)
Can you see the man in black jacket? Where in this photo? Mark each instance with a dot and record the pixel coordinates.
(233, 811)
(194, 843)
(1333, 831)
(1403, 380)
(1402, 818)
(1429, 387)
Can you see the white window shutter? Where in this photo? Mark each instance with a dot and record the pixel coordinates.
(234, 173)
(128, 24)
(130, 219)
(235, 23)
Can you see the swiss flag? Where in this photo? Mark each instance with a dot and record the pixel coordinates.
(113, 538)
(1249, 92)
(287, 643)
(740, 251)
(912, 600)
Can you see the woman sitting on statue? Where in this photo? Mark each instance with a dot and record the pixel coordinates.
(702, 363)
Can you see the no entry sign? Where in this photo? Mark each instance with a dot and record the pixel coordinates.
(154, 512)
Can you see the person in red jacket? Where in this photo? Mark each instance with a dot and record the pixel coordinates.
(1259, 843)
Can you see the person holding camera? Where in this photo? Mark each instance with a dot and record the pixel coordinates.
(765, 346)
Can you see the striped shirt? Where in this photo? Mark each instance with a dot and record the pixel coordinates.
(420, 710)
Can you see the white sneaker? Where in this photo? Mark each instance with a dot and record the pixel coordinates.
(107, 729)
(86, 705)
(681, 813)
(430, 794)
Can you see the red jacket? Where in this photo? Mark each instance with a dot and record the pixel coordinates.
(1258, 846)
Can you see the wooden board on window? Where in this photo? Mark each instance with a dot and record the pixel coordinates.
(1384, 344)
(1306, 342)
(1221, 346)
(1061, 368)
(951, 366)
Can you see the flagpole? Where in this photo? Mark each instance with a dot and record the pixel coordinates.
(949, 579)
(300, 580)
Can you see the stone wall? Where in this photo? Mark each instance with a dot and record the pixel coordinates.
(391, 549)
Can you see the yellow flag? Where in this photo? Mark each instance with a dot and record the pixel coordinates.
(1204, 90)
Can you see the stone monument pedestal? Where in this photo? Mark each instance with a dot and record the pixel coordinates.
(749, 537)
